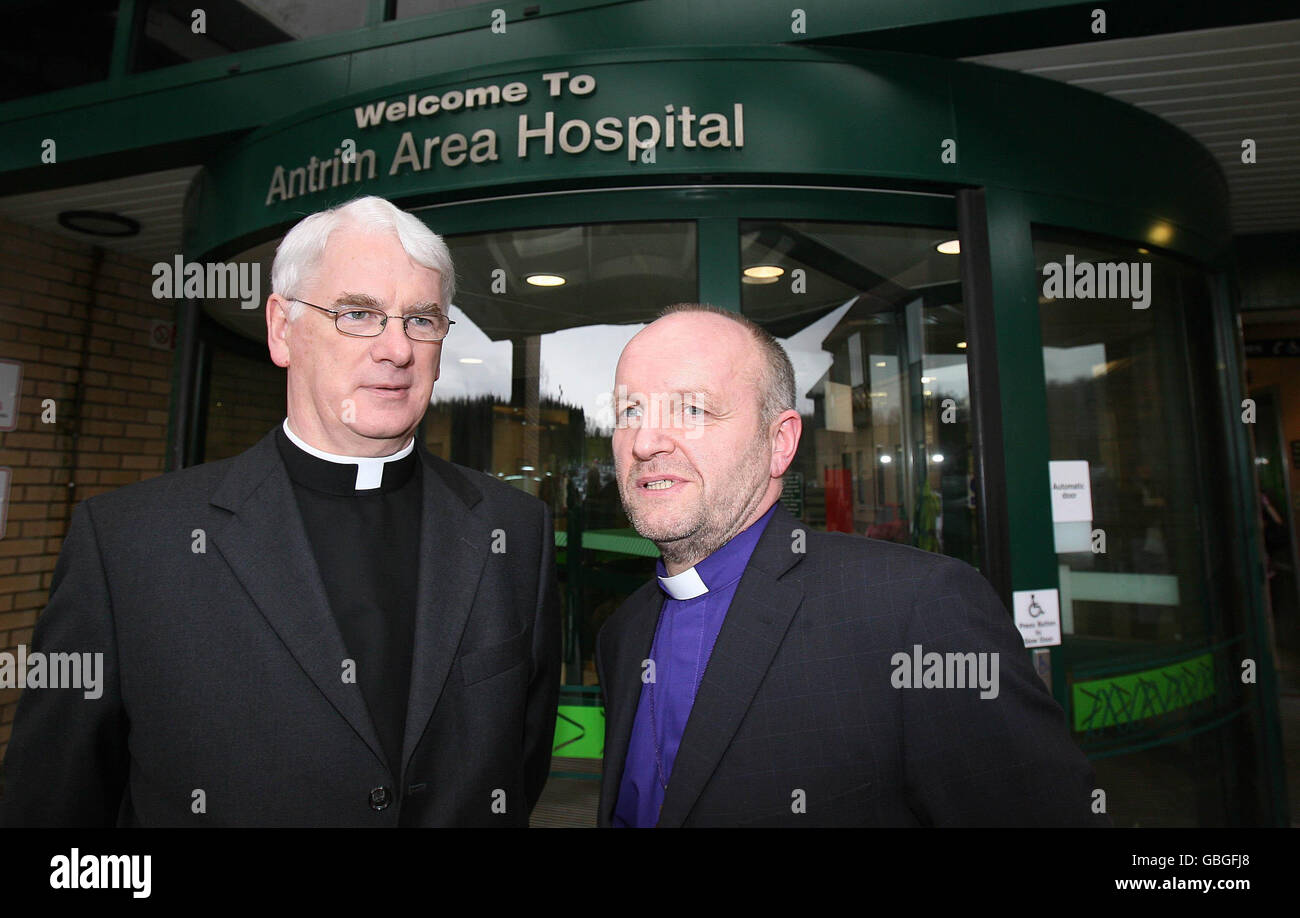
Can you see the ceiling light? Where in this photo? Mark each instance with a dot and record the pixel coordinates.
(886, 459)
(1160, 233)
(546, 280)
(471, 360)
(98, 223)
(951, 247)
(961, 344)
(937, 457)
(762, 273)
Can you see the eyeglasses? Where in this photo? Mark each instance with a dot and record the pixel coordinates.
(361, 322)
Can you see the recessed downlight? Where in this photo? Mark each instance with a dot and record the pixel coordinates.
(546, 280)
(98, 223)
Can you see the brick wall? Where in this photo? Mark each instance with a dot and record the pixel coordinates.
(78, 320)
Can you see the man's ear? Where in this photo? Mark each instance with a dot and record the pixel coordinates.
(277, 329)
(786, 431)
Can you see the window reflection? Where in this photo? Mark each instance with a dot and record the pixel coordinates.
(1117, 398)
(873, 321)
(527, 376)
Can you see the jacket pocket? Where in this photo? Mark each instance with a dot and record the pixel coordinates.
(495, 659)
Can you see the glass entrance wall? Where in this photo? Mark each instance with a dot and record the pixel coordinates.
(1153, 634)
(865, 292)
(527, 380)
(873, 320)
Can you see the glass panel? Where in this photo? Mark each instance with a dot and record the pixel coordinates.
(527, 374)
(1117, 398)
(51, 46)
(169, 34)
(873, 320)
(1151, 625)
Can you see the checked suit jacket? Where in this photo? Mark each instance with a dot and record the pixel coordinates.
(222, 667)
(798, 697)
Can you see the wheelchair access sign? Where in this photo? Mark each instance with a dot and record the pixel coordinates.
(1038, 616)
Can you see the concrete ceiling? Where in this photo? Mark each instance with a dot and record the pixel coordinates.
(1219, 85)
(155, 200)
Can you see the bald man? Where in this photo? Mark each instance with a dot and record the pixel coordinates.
(754, 681)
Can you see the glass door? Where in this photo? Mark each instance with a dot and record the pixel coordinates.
(873, 319)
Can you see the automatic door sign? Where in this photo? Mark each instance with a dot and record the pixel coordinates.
(1038, 616)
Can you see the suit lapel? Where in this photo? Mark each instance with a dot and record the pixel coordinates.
(454, 544)
(752, 632)
(265, 543)
(623, 671)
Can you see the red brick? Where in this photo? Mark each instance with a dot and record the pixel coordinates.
(32, 528)
(35, 564)
(14, 315)
(17, 620)
(16, 583)
(32, 599)
(42, 336)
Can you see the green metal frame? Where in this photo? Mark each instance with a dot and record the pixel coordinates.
(1050, 169)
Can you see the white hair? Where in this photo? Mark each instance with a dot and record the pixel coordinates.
(299, 254)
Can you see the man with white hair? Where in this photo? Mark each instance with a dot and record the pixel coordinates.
(333, 628)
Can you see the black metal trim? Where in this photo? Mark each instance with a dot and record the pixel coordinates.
(986, 392)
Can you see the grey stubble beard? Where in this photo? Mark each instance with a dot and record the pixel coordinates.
(711, 531)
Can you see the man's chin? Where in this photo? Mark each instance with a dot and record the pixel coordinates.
(663, 531)
(392, 430)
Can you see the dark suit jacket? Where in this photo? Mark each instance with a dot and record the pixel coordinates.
(798, 696)
(223, 668)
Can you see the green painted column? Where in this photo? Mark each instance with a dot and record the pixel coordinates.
(719, 262)
(1025, 443)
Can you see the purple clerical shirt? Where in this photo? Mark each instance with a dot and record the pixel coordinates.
(694, 607)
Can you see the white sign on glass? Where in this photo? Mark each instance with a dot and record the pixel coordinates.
(1038, 616)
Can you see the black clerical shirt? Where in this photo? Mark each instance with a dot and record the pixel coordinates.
(366, 544)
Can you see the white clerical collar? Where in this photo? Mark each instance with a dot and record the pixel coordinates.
(686, 585)
(370, 469)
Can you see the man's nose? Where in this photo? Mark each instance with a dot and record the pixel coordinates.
(392, 343)
(654, 437)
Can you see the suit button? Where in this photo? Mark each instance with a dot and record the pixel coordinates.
(380, 798)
